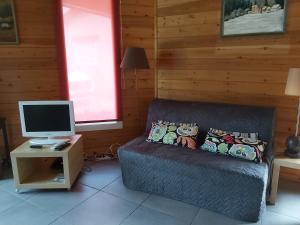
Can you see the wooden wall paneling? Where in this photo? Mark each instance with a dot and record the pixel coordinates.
(30, 71)
(196, 64)
(156, 21)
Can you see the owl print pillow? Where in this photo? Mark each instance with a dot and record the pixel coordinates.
(179, 134)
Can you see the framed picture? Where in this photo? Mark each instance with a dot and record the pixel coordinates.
(253, 17)
(8, 27)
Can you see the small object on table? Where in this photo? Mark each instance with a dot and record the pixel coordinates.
(36, 146)
(5, 140)
(59, 178)
(60, 146)
(278, 163)
(293, 147)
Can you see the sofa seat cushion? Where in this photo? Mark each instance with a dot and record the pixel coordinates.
(198, 177)
(196, 158)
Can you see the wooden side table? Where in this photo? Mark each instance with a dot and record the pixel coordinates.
(32, 168)
(279, 162)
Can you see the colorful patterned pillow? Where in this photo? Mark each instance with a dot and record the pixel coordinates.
(181, 134)
(241, 145)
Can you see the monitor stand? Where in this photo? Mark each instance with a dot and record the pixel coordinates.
(47, 141)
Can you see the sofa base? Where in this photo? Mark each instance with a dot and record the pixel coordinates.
(237, 195)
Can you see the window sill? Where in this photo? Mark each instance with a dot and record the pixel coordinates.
(113, 125)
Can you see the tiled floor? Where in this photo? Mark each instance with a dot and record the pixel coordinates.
(99, 198)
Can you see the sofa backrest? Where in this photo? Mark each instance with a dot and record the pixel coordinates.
(226, 117)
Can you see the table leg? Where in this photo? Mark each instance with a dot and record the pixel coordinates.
(274, 186)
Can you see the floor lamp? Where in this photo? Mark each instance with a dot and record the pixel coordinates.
(134, 58)
(293, 89)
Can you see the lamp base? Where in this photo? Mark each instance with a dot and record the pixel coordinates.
(292, 154)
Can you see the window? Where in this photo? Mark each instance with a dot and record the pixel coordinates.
(89, 31)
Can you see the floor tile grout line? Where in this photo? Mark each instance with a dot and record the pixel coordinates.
(97, 191)
(12, 194)
(110, 183)
(22, 201)
(166, 214)
(193, 220)
(112, 194)
(138, 206)
(89, 186)
(17, 195)
(34, 204)
(101, 187)
(283, 214)
(19, 203)
(79, 204)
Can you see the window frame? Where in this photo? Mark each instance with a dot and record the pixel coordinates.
(63, 70)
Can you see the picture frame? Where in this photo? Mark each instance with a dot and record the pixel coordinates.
(253, 17)
(8, 23)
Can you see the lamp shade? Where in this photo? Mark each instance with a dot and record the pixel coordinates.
(135, 58)
(293, 82)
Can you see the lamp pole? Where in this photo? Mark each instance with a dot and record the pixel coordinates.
(298, 115)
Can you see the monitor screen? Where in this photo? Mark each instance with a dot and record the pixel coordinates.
(47, 118)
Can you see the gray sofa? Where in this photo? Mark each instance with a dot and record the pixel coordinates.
(230, 186)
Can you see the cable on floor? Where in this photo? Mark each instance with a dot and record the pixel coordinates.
(110, 155)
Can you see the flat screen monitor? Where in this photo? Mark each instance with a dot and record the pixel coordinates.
(47, 118)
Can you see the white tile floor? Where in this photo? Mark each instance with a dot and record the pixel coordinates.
(100, 198)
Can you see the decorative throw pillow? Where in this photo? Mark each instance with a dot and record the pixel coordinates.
(181, 134)
(242, 145)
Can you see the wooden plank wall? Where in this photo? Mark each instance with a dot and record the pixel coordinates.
(30, 71)
(195, 63)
